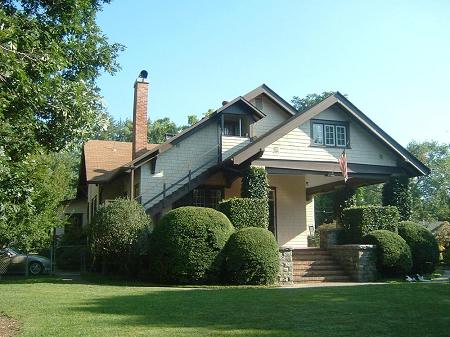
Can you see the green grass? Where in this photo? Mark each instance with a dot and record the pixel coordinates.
(48, 307)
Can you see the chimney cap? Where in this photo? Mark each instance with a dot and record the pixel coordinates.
(224, 103)
(143, 74)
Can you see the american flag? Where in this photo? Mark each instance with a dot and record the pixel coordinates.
(343, 165)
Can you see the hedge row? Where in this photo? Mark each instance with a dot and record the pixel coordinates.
(359, 221)
(246, 212)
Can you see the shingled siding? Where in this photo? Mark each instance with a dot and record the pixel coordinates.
(198, 149)
(274, 116)
(364, 149)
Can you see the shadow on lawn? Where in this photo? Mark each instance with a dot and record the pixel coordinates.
(346, 311)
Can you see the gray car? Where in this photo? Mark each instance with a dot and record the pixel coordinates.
(14, 262)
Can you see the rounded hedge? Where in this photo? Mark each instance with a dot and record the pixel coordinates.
(424, 246)
(446, 256)
(394, 254)
(185, 245)
(251, 257)
(118, 229)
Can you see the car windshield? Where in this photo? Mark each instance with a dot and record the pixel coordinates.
(13, 251)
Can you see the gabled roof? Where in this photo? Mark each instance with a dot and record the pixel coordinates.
(204, 121)
(103, 158)
(264, 89)
(337, 98)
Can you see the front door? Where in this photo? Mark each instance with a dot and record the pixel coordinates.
(273, 211)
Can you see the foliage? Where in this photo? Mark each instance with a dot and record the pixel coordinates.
(26, 217)
(118, 233)
(396, 193)
(343, 198)
(359, 221)
(446, 256)
(323, 208)
(303, 104)
(185, 245)
(442, 234)
(251, 257)
(424, 247)
(393, 253)
(255, 183)
(246, 212)
(368, 195)
(431, 194)
(51, 53)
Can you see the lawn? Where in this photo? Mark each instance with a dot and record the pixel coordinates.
(51, 308)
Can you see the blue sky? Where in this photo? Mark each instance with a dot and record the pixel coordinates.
(392, 58)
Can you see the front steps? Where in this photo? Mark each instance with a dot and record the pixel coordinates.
(316, 265)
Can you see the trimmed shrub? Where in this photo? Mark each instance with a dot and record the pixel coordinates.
(255, 183)
(446, 256)
(393, 253)
(359, 221)
(118, 233)
(251, 257)
(443, 234)
(424, 247)
(396, 192)
(246, 212)
(185, 245)
(343, 198)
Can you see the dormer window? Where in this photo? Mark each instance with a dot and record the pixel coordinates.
(329, 133)
(235, 126)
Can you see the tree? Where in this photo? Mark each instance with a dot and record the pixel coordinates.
(431, 194)
(303, 104)
(50, 56)
(396, 192)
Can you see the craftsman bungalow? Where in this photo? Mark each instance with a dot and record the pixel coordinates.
(203, 164)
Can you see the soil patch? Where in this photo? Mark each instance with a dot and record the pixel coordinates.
(8, 327)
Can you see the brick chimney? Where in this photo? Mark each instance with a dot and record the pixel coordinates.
(140, 115)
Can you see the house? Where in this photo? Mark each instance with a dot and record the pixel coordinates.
(204, 163)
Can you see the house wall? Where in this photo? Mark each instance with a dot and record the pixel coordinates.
(78, 206)
(274, 116)
(292, 230)
(364, 149)
(200, 149)
(232, 144)
(310, 216)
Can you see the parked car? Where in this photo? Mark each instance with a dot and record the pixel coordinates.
(12, 261)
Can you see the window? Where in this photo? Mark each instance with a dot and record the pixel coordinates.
(329, 133)
(318, 134)
(341, 136)
(235, 125)
(203, 197)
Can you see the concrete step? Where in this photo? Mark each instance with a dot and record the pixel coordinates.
(317, 266)
(336, 272)
(329, 278)
(309, 251)
(312, 258)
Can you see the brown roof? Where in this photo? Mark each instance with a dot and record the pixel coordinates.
(103, 158)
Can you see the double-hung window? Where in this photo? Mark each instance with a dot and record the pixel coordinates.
(235, 126)
(329, 133)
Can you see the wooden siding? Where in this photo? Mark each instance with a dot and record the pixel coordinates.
(200, 149)
(364, 149)
(274, 116)
(232, 144)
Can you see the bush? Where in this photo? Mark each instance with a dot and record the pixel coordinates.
(424, 247)
(118, 233)
(185, 245)
(246, 212)
(396, 192)
(255, 183)
(70, 257)
(359, 221)
(446, 256)
(251, 257)
(443, 234)
(343, 198)
(393, 253)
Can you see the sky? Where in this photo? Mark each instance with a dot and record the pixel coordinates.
(392, 58)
